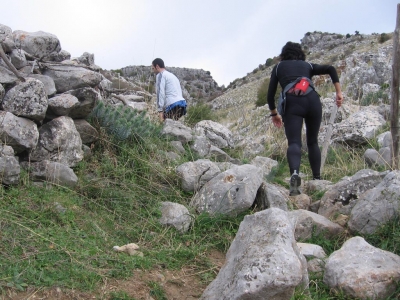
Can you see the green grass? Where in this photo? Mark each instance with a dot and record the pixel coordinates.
(61, 237)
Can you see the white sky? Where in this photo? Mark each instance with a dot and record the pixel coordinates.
(229, 38)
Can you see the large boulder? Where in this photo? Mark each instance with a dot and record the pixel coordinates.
(263, 261)
(377, 206)
(230, 192)
(342, 197)
(38, 44)
(67, 77)
(27, 99)
(19, 133)
(59, 141)
(362, 271)
(359, 127)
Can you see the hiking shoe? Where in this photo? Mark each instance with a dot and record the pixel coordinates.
(295, 182)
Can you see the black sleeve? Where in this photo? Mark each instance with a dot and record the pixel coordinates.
(273, 85)
(325, 69)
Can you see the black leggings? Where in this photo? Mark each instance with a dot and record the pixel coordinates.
(298, 108)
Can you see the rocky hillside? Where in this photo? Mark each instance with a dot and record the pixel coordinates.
(197, 84)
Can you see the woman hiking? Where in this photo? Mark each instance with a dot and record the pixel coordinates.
(301, 102)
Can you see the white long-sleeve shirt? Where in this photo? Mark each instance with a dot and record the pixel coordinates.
(168, 90)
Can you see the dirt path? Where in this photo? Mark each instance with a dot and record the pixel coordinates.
(184, 284)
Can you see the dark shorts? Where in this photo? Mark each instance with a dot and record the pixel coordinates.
(175, 113)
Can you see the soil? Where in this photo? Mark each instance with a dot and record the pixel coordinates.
(184, 284)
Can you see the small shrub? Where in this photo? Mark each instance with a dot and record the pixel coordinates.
(384, 37)
(197, 113)
(124, 122)
(375, 98)
(262, 93)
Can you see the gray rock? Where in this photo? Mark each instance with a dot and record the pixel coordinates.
(177, 131)
(27, 99)
(87, 132)
(230, 192)
(68, 77)
(6, 76)
(88, 98)
(311, 250)
(359, 127)
(270, 195)
(9, 170)
(19, 133)
(195, 174)
(51, 172)
(61, 105)
(266, 164)
(176, 215)
(17, 58)
(343, 196)
(6, 150)
(48, 82)
(263, 261)
(377, 206)
(177, 145)
(7, 38)
(362, 271)
(59, 141)
(217, 134)
(38, 44)
(219, 155)
(201, 146)
(306, 223)
(385, 139)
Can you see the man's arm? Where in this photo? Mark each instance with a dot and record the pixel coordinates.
(161, 96)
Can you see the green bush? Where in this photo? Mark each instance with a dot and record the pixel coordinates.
(197, 113)
(383, 37)
(374, 98)
(124, 122)
(262, 93)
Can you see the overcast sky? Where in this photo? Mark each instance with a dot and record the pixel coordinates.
(229, 38)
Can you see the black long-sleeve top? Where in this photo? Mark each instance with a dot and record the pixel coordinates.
(289, 70)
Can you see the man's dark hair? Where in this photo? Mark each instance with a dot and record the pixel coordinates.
(159, 62)
(292, 51)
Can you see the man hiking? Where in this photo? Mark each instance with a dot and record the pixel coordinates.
(170, 102)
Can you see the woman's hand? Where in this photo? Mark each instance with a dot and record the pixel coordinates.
(277, 120)
(339, 99)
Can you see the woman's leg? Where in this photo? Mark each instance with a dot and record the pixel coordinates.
(313, 123)
(293, 125)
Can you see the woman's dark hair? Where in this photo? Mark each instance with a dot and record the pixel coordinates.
(159, 62)
(292, 51)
